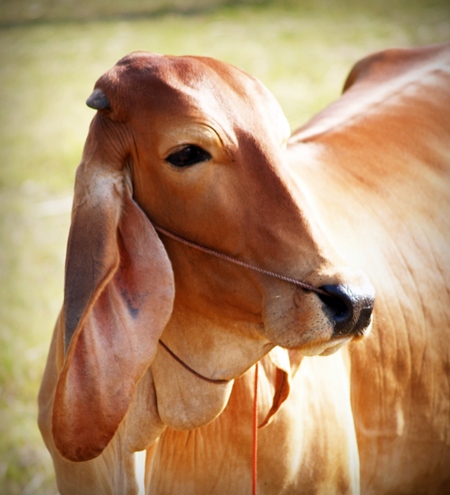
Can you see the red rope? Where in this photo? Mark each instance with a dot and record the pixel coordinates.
(255, 435)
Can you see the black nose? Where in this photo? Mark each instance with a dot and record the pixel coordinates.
(350, 308)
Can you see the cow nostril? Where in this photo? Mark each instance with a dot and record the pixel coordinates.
(349, 308)
(338, 305)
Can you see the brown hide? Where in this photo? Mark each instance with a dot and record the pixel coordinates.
(374, 167)
(378, 163)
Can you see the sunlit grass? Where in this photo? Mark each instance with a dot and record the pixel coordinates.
(50, 58)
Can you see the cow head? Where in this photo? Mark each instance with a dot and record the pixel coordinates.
(195, 146)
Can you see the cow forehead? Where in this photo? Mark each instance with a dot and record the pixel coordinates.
(144, 81)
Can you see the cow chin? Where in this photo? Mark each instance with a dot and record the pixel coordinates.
(326, 348)
(334, 344)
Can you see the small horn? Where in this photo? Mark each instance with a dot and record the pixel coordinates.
(98, 100)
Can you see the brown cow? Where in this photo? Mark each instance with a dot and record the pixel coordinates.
(197, 147)
(197, 144)
(376, 164)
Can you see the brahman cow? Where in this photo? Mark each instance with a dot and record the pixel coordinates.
(155, 345)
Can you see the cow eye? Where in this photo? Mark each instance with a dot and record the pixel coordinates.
(187, 156)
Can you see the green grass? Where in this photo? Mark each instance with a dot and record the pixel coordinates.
(51, 53)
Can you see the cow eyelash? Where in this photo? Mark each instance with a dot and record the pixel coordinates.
(188, 156)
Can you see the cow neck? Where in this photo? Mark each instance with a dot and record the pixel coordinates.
(255, 426)
(249, 266)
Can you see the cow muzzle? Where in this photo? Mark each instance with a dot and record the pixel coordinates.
(349, 308)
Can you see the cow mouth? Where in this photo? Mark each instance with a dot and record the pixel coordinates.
(336, 341)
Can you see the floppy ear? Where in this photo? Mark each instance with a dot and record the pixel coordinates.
(119, 292)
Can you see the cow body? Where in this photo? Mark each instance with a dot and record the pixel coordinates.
(372, 173)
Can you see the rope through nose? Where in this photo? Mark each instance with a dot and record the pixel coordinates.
(230, 259)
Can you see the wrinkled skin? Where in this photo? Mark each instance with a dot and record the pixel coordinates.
(110, 390)
(385, 148)
(302, 450)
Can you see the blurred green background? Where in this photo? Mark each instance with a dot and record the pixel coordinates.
(51, 53)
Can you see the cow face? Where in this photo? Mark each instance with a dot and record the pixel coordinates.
(201, 144)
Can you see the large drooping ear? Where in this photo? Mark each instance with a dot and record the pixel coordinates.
(119, 292)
